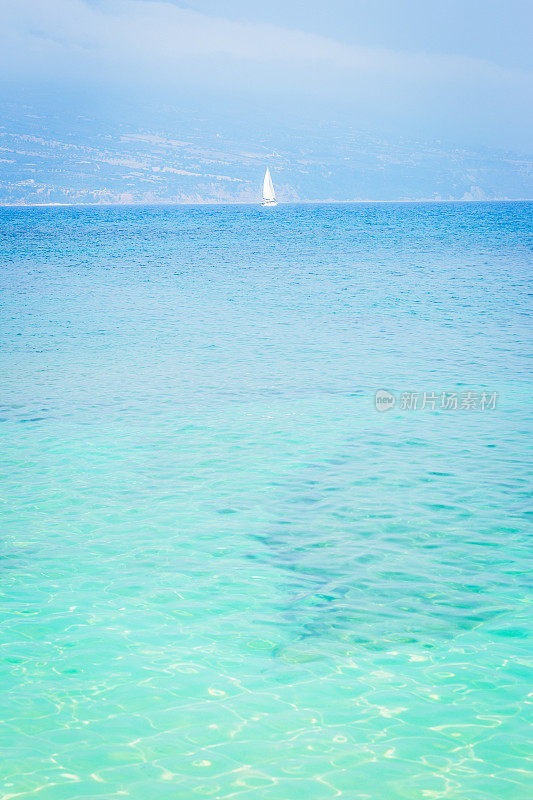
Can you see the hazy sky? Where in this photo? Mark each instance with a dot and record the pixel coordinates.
(459, 70)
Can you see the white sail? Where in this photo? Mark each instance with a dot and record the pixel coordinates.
(269, 195)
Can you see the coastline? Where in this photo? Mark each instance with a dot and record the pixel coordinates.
(173, 204)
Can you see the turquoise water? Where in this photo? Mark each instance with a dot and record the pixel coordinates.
(225, 574)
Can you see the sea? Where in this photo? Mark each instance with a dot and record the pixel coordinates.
(265, 493)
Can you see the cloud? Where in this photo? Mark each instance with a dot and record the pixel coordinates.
(161, 52)
(154, 36)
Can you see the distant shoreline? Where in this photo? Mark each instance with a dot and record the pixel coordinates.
(171, 204)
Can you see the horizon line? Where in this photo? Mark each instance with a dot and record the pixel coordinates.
(174, 203)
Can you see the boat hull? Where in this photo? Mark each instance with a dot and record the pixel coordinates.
(269, 203)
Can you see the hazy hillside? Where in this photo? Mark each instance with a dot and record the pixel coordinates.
(185, 159)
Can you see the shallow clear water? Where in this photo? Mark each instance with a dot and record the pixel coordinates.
(224, 573)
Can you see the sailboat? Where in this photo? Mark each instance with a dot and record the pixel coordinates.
(269, 195)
